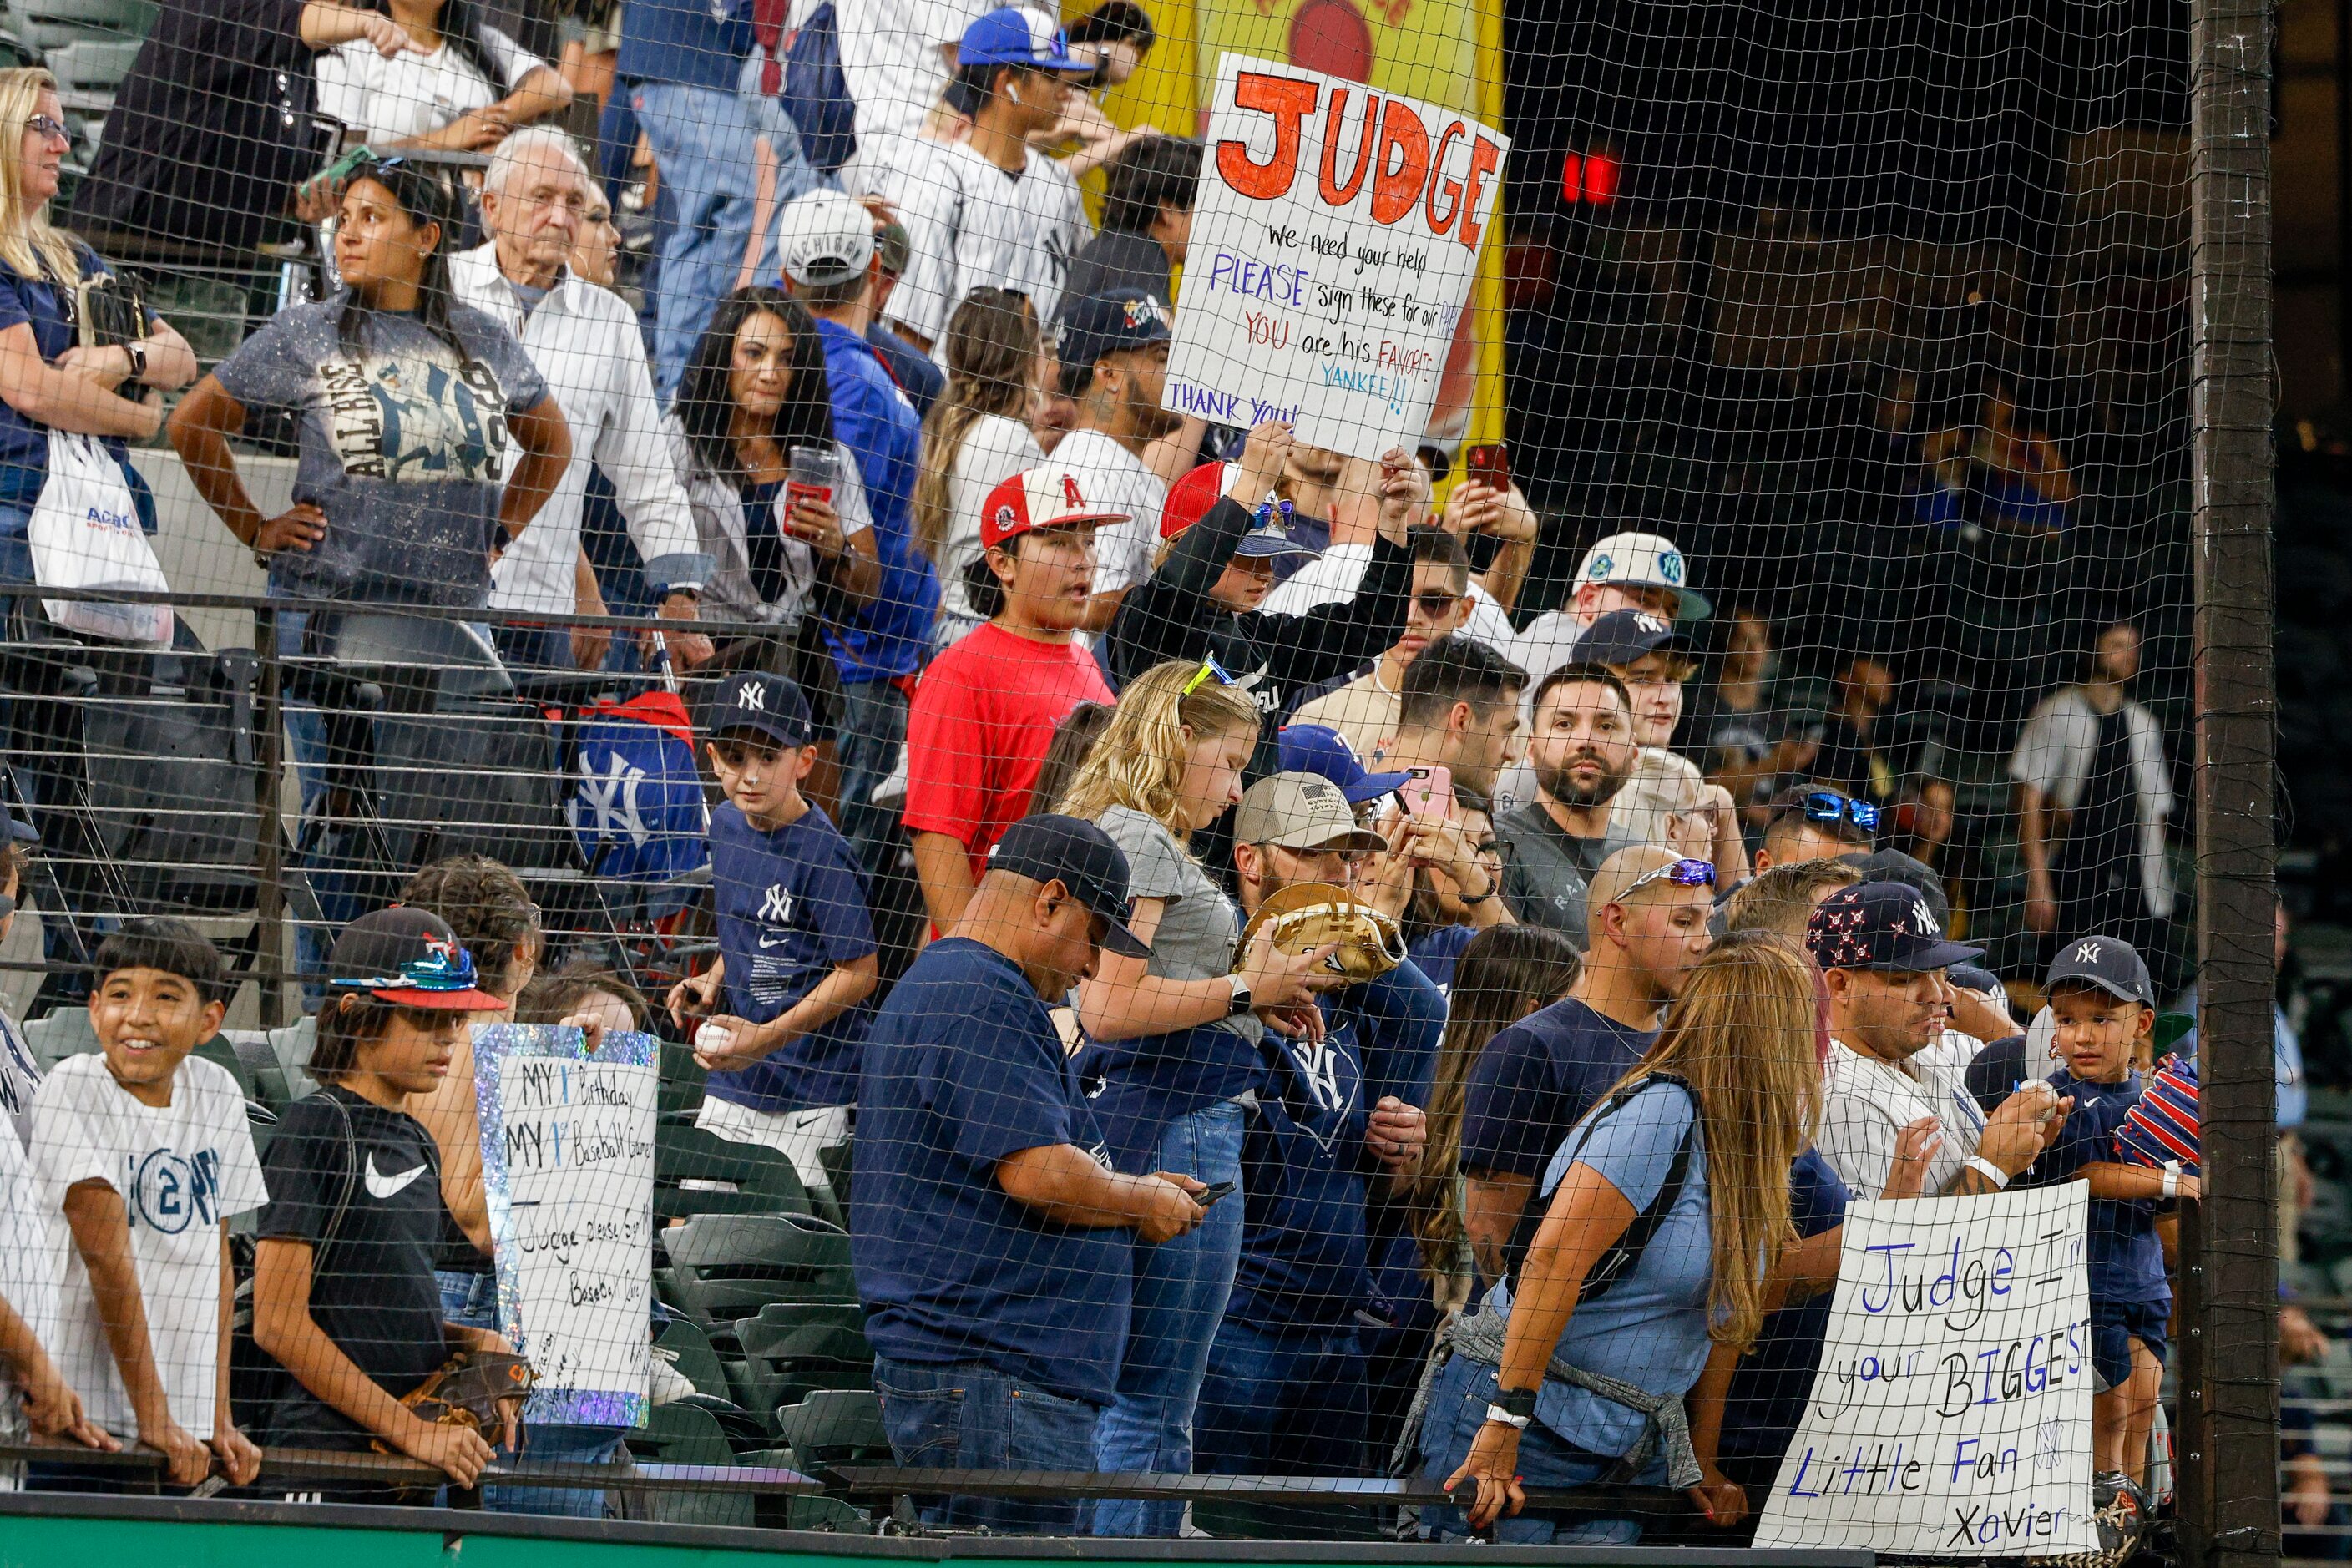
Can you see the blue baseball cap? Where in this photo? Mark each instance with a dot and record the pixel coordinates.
(1319, 749)
(1882, 925)
(768, 705)
(1114, 322)
(1019, 35)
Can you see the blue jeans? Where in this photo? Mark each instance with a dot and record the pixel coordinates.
(471, 1301)
(794, 176)
(1285, 1400)
(702, 140)
(1180, 1288)
(873, 731)
(1458, 1399)
(968, 1417)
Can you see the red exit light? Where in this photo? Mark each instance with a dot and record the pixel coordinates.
(1590, 179)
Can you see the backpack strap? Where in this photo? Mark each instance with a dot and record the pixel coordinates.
(1625, 1255)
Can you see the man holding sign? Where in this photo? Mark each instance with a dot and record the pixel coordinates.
(1331, 256)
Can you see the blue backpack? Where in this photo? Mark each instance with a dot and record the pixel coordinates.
(637, 808)
(816, 93)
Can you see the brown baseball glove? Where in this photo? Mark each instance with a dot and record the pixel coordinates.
(468, 1392)
(1309, 915)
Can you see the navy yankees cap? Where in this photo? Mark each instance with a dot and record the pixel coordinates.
(1894, 865)
(1620, 636)
(769, 705)
(2112, 964)
(1108, 323)
(1882, 925)
(1082, 857)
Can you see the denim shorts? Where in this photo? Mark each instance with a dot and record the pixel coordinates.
(2114, 1326)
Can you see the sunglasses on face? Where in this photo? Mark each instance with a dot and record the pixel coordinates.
(1829, 805)
(1682, 874)
(1436, 607)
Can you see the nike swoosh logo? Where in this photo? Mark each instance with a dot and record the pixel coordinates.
(382, 1187)
(766, 942)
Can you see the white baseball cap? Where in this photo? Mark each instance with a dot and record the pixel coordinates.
(825, 238)
(1643, 561)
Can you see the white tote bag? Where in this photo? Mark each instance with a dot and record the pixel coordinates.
(85, 533)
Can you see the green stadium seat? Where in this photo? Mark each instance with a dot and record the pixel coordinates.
(780, 1315)
(682, 1079)
(837, 1426)
(62, 1033)
(687, 1434)
(689, 1350)
(724, 1268)
(764, 1181)
(782, 1366)
(803, 1512)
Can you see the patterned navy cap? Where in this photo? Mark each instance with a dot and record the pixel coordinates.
(1882, 925)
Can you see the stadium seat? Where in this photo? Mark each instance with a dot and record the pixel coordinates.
(836, 1426)
(763, 1182)
(724, 1268)
(803, 1512)
(292, 1046)
(689, 1350)
(683, 1434)
(779, 1316)
(783, 1365)
(66, 1032)
(682, 1079)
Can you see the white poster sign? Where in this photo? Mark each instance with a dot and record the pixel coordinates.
(1951, 1416)
(567, 1165)
(1332, 254)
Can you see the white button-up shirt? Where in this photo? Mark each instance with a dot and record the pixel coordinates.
(586, 343)
(1869, 1103)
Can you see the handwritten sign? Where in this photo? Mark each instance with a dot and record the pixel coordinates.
(1332, 254)
(1951, 1416)
(568, 1165)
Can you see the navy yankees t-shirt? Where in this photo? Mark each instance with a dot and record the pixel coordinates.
(1533, 1080)
(791, 907)
(1767, 1398)
(965, 1068)
(2126, 1259)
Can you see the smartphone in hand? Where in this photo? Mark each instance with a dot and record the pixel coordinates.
(1429, 794)
(1489, 465)
(1212, 1191)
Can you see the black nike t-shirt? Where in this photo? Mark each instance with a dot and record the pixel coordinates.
(372, 1286)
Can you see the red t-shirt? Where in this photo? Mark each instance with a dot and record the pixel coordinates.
(978, 728)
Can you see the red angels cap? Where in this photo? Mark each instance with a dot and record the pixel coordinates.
(1190, 498)
(1049, 497)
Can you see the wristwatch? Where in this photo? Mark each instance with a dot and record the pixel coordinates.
(1513, 1406)
(1241, 1001)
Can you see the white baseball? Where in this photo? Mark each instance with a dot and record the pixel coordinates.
(712, 1037)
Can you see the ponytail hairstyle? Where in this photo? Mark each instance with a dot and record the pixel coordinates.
(991, 350)
(1139, 762)
(423, 199)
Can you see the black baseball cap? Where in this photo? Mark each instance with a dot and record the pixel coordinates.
(1894, 865)
(1882, 925)
(2112, 964)
(408, 957)
(1974, 977)
(1620, 636)
(769, 705)
(1108, 324)
(1082, 857)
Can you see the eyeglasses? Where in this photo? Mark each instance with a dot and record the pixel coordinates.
(437, 971)
(1829, 805)
(1210, 670)
(572, 202)
(45, 126)
(1438, 606)
(1682, 874)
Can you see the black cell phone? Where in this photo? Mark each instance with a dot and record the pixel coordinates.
(1212, 1191)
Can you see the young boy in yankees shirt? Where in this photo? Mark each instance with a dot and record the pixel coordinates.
(796, 952)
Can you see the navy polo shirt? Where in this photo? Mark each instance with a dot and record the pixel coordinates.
(2125, 1259)
(964, 1067)
(1536, 1079)
(791, 907)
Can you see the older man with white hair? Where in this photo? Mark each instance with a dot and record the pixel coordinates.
(584, 341)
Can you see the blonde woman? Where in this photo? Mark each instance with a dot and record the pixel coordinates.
(1726, 1101)
(47, 380)
(977, 437)
(1173, 1042)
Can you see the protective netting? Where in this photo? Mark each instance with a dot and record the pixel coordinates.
(1227, 762)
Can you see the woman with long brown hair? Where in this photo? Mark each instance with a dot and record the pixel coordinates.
(1667, 1218)
(977, 437)
(1506, 972)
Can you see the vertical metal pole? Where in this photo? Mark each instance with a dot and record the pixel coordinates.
(2231, 1423)
(2342, 197)
(268, 867)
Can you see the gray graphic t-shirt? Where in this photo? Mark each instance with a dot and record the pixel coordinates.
(401, 444)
